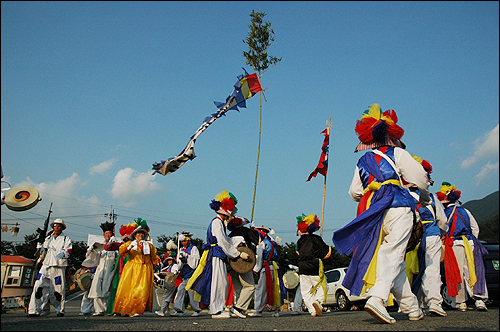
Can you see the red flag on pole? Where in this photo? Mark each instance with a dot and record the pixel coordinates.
(322, 167)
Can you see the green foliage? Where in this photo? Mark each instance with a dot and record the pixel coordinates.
(7, 248)
(488, 230)
(77, 255)
(259, 39)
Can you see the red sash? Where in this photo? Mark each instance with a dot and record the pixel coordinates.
(452, 272)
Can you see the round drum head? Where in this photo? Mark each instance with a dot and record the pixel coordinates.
(291, 279)
(242, 266)
(22, 198)
(83, 278)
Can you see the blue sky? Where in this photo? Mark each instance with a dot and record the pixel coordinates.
(93, 93)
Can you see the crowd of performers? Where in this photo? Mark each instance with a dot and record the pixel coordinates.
(392, 188)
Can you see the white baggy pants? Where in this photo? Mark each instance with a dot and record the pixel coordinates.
(391, 276)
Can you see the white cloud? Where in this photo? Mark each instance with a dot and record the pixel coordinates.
(129, 186)
(485, 147)
(102, 167)
(62, 188)
(485, 172)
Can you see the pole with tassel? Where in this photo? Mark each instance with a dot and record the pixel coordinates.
(328, 126)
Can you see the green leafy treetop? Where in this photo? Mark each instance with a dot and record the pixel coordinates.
(259, 39)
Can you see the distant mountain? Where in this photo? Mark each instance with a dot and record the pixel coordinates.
(485, 208)
(485, 211)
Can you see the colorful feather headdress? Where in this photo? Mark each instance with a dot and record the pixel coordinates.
(308, 224)
(170, 254)
(224, 203)
(448, 193)
(426, 165)
(377, 129)
(128, 230)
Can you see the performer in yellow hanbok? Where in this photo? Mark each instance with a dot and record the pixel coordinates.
(135, 290)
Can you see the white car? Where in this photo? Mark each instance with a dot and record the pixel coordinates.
(338, 295)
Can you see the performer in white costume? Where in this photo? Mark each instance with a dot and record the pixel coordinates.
(211, 287)
(427, 283)
(189, 257)
(270, 287)
(380, 232)
(170, 267)
(465, 272)
(57, 247)
(105, 262)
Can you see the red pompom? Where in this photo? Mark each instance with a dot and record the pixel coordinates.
(427, 166)
(441, 196)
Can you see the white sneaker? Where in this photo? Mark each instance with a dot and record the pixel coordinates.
(160, 313)
(437, 309)
(416, 315)
(255, 314)
(276, 314)
(134, 315)
(222, 315)
(462, 306)
(98, 314)
(177, 313)
(480, 305)
(375, 307)
(295, 312)
(195, 314)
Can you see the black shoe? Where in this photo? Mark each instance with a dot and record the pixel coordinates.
(60, 315)
(33, 315)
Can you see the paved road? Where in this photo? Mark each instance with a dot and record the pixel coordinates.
(15, 320)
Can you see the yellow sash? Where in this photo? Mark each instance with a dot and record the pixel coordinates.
(276, 291)
(411, 262)
(470, 262)
(322, 280)
(196, 274)
(374, 186)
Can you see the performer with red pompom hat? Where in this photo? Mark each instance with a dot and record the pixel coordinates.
(463, 258)
(425, 260)
(381, 231)
(312, 251)
(210, 279)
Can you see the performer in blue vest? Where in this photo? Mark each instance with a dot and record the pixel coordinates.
(463, 260)
(427, 256)
(379, 234)
(270, 287)
(189, 257)
(210, 280)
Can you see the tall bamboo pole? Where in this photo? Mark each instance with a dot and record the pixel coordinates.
(328, 126)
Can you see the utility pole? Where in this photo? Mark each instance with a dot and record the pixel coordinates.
(112, 217)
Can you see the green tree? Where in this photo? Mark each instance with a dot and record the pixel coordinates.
(7, 248)
(259, 39)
